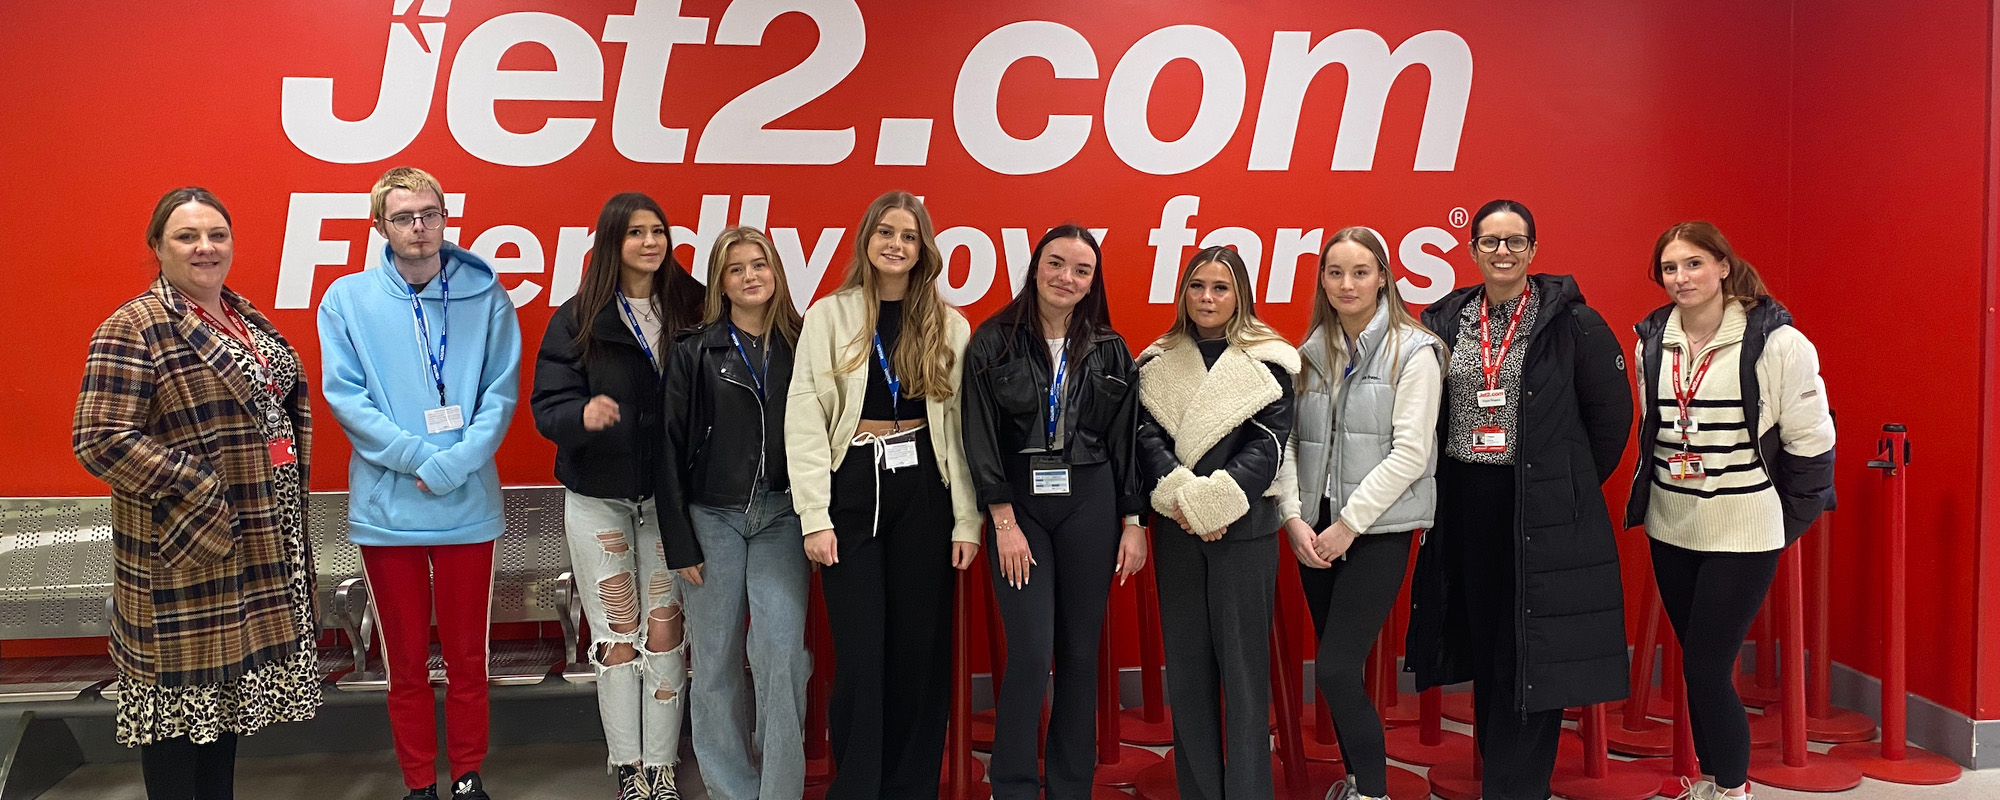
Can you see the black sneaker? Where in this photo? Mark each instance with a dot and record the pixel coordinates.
(662, 779)
(427, 793)
(467, 787)
(632, 783)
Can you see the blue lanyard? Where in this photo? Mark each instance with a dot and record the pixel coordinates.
(1055, 396)
(754, 375)
(638, 332)
(435, 358)
(1353, 353)
(895, 386)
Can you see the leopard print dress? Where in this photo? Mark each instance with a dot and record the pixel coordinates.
(285, 690)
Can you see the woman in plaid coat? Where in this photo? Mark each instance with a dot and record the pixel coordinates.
(193, 409)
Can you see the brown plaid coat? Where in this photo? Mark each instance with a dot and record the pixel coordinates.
(166, 418)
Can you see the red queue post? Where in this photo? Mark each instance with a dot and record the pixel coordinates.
(963, 778)
(996, 656)
(1152, 723)
(1893, 759)
(1118, 764)
(1793, 766)
(1427, 743)
(1597, 777)
(819, 688)
(1824, 723)
(1634, 733)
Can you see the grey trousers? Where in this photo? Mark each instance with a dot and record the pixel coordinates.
(1215, 613)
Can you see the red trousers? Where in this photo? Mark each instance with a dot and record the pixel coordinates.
(407, 585)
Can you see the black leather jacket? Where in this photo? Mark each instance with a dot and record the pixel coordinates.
(721, 437)
(618, 462)
(1006, 383)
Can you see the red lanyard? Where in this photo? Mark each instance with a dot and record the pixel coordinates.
(1489, 361)
(240, 331)
(1685, 396)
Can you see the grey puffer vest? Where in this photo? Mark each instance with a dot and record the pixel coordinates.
(1365, 432)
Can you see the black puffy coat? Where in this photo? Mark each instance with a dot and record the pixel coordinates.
(1569, 598)
(1005, 406)
(619, 462)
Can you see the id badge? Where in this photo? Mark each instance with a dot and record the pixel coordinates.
(1684, 466)
(1051, 475)
(448, 418)
(1685, 425)
(282, 452)
(1489, 439)
(897, 455)
(1492, 398)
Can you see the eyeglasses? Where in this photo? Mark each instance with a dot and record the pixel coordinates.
(403, 222)
(1491, 244)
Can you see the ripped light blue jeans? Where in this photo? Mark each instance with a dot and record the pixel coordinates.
(641, 657)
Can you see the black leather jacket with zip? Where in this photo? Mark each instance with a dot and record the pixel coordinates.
(722, 435)
(1006, 382)
(618, 462)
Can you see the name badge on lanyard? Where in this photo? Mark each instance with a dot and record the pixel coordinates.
(1684, 466)
(1491, 359)
(282, 452)
(899, 454)
(1489, 439)
(444, 417)
(1051, 475)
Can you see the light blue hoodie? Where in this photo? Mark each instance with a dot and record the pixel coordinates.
(378, 385)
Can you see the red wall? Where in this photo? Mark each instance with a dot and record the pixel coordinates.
(1888, 214)
(1839, 144)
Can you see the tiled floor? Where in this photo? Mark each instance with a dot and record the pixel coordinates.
(570, 771)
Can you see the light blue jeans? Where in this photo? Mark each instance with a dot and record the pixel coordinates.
(754, 563)
(614, 550)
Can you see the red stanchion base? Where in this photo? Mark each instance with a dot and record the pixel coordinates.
(1160, 783)
(1407, 785)
(1756, 696)
(1406, 745)
(1325, 752)
(975, 773)
(1457, 707)
(1403, 711)
(1319, 777)
(1453, 780)
(1658, 708)
(1652, 739)
(1821, 773)
(1621, 781)
(1767, 729)
(1661, 771)
(1917, 767)
(1125, 771)
(981, 728)
(1134, 729)
(1102, 792)
(1840, 726)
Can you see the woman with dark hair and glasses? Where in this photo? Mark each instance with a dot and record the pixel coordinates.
(1048, 436)
(1517, 586)
(598, 397)
(1736, 463)
(1215, 395)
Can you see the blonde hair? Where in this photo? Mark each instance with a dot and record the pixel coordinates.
(779, 313)
(923, 358)
(1325, 318)
(1243, 328)
(409, 179)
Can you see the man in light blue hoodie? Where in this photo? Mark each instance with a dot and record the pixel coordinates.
(420, 361)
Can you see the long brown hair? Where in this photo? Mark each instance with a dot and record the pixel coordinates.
(676, 292)
(1090, 317)
(924, 360)
(1325, 318)
(1244, 328)
(1743, 284)
(779, 313)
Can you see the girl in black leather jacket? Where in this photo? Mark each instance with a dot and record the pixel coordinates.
(1215, 398)
(728, 526)
(1048, 406)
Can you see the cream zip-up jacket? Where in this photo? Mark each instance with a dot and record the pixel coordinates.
(824, 407)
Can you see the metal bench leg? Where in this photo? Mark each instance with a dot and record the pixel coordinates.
(351, 612)
(570, 614)
(35, 755)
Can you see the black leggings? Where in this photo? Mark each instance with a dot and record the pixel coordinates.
(889, 605)
(1711, 598)
(179, 769)
(1055, 618)
(1362, 587)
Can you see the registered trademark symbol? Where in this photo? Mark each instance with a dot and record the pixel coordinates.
(1458, 217)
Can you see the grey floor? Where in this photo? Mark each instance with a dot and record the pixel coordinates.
(568, 771)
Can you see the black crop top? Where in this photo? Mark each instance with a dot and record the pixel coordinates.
(876, 403)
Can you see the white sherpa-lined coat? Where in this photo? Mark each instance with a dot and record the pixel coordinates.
(1212, 436)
